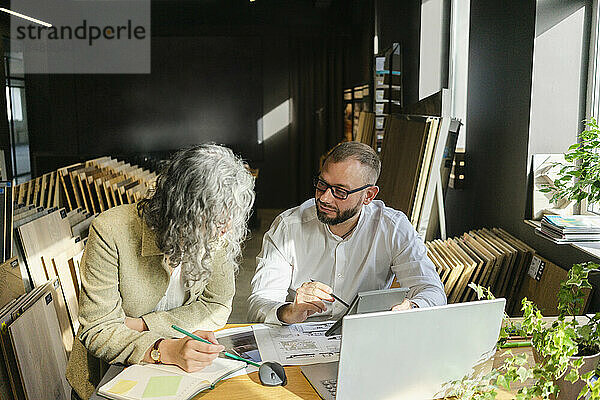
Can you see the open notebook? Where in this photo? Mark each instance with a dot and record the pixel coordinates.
(166, 382)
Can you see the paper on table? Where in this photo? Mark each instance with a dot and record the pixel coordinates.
(241, 342)
(297, 344)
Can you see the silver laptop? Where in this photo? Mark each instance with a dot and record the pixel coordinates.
(409, 354)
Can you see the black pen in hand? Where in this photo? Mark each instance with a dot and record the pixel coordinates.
(335, 297)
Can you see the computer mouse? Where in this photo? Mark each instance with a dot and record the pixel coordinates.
(271, 373)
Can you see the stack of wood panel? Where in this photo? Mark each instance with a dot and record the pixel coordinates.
(406, 162)
(43, 191)
(45, 224)
(40, 313)
(492, 258)
(95, 185)
(100, 184)
(366, 129)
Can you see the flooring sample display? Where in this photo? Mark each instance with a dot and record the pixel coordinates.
(7, 316)
(35, 336)
(527, 254)
(401, 158)
(494, 259)
(11, 283)
(424, 170)
(62, 264)
(38, 237)
(8, 218)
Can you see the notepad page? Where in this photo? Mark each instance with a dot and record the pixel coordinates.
(212, 373)
(144, 382)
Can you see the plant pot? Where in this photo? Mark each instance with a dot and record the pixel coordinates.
(568, 390)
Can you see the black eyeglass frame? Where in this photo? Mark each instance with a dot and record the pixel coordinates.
(346, 191)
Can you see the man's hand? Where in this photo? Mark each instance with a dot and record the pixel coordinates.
(405, 305)
(308, 301)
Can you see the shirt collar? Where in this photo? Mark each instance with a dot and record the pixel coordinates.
(356, 228)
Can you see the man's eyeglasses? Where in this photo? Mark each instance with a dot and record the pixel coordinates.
(336, 191)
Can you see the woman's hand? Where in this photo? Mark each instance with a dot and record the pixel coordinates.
(189, 354)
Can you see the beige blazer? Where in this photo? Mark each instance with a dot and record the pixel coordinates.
(122, 274)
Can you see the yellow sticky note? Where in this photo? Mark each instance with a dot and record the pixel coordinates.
(122, 386)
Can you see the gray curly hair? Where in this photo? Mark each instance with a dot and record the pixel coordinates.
(202, 201)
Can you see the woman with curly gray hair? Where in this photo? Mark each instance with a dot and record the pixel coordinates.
(170, 259)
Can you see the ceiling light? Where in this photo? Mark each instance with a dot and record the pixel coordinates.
(37, 21)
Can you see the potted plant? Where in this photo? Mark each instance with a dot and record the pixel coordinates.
(568, 350)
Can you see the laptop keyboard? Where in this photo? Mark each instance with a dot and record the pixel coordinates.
(330, 385)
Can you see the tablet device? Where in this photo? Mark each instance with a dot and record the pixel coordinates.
(371, 301)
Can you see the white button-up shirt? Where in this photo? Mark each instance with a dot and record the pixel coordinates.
(298, 248)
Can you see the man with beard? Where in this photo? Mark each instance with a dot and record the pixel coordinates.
(343, 242)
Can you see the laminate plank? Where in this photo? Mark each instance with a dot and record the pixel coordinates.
(125, 189)
(470, 266)
(50, 195)
(7, 316)
(501, 264)
(489, 262)
(39, 236)
(11, 282)
(21, 194)
(43, 189)
(36, 342)
(521, 272)
(513, 258)
(476, 272)
(3, 227)
(64, 175)
(69, 285)
(8, 219)
(82, 228)
(99, 184)
(403, 150)
(56, 200)
(66, 328)
(75, 184)
(36, 191)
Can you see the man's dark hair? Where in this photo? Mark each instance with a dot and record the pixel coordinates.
(362, 153)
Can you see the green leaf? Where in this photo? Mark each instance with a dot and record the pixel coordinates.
(572, 376)
(501, 381)
(523, 373)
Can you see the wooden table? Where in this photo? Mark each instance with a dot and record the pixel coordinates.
(249, 386)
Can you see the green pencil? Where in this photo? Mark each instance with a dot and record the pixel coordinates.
(207, 342)
(512, 345)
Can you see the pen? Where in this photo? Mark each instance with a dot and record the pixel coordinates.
(207, 342)
(512, 345)
(335, 297)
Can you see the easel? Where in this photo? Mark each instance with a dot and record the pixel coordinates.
(434, 194)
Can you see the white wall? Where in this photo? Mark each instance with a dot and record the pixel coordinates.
(431, 52)
(459, 63)
(559, 56)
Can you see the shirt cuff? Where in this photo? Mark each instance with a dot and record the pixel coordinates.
(271, 317)
(419, 303)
